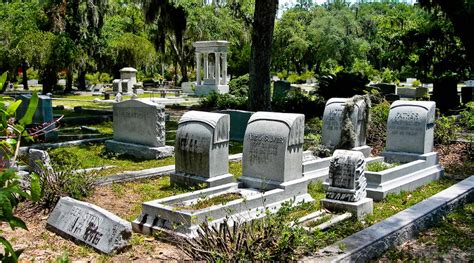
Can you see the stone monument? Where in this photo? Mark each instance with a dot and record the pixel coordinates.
(139, 130)
(410, 131)
(215, 77)
(467, 92)
(202, 149)
(347, 184)
(43, 115)
(128, 78)
(89, 224)
(345, 123)
(238, 123)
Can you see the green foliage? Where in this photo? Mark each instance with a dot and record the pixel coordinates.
(239, 86)
(467, 116)
(296, 101)
(343, 84)
(65, 178)
(215, 100)
(376, 134)
(446, 130)
(98, 77)
(380, 166)
(416, 83)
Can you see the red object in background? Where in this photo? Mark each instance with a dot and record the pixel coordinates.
(20, 71)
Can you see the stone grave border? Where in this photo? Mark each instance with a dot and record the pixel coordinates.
(373, 241)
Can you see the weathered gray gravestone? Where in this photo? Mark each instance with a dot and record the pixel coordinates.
(43, 114)
(410, 126)
(39, 161)
(139, 130)
(238, 123)
(345, 123)
(90, 224)
(347, 184)
(202, 149)
(273, 149)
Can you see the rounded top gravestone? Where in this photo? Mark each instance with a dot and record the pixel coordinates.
(410, 126)
(333, 122)
(202, 147)
(273, 147)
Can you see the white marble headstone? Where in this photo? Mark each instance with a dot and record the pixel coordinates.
(410, 126)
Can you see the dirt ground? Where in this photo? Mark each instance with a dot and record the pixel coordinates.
(42, 245)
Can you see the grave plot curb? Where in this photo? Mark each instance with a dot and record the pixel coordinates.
(148, 173)
(373, 241)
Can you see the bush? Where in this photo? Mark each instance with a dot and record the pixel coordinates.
(446, 130)
(96, 78)
(467, 116)
(343, 84)
(239, 86)
(299, 79)
(223, 101)
(297, 102)
(416, 83)
(66, 178)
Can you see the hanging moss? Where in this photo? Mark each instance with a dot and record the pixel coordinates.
(348, 135)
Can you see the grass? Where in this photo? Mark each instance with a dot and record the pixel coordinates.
(380, 166)
(319, 221)
(455, 233)
(208, 202)
(95, 156)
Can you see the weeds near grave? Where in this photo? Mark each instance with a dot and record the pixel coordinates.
(380, 166)
(210, 201)
(65, 178)
(376, 135)
(269, 238)
(446, 131)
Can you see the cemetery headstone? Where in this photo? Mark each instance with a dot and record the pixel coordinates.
(188, 87)
(280, 88)
(43, 114)
(273, 149)
(345, 123)
(62, 82)
(39, 161)
(116, 85)
(347, 184)
(238, 123)
(139, 130)
(202, 149)
(467, 92)
(118, 97)
(410, 126)
(445, 93)
(90, 224)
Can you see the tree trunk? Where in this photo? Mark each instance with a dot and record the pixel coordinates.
(184, 70)
(68, 81)
(24, 67)
(262, 35)
(81, 80)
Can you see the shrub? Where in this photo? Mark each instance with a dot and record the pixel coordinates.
(467, 116)
(299, 79)
(389, 76)
(239, 86)
(66, 178)
(416, 83)
(223, 101)
(446, 130)
(297, 102)
(343, 84)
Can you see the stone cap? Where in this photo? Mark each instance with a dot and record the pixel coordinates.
(428, 106)
(128, 69)
(220, 123)
(211, 46)
(139, 103)
(294, 121)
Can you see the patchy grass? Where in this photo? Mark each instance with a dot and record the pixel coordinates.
(319, 221)
(451, 240)
(380, 166)
(95, 156)
(235, 168)
(208, 202)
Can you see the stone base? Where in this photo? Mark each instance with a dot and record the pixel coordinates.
(189, 179)
(360, 208)
(420, 170)
(139, 151)
(203, 90)
(365, 150)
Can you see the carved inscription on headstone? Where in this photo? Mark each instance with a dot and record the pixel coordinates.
(347, 180)
(89, 224)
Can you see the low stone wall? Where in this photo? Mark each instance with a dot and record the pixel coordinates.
(372, 242)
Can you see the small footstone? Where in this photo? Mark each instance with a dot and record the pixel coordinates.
(90, 224)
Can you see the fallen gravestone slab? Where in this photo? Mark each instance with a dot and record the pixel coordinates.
(89, 224)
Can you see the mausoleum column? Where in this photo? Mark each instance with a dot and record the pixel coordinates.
(224, 68)
(206, 65)
(198, 68)
(218, 68)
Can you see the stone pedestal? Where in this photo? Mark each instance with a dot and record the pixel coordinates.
(360, 208)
